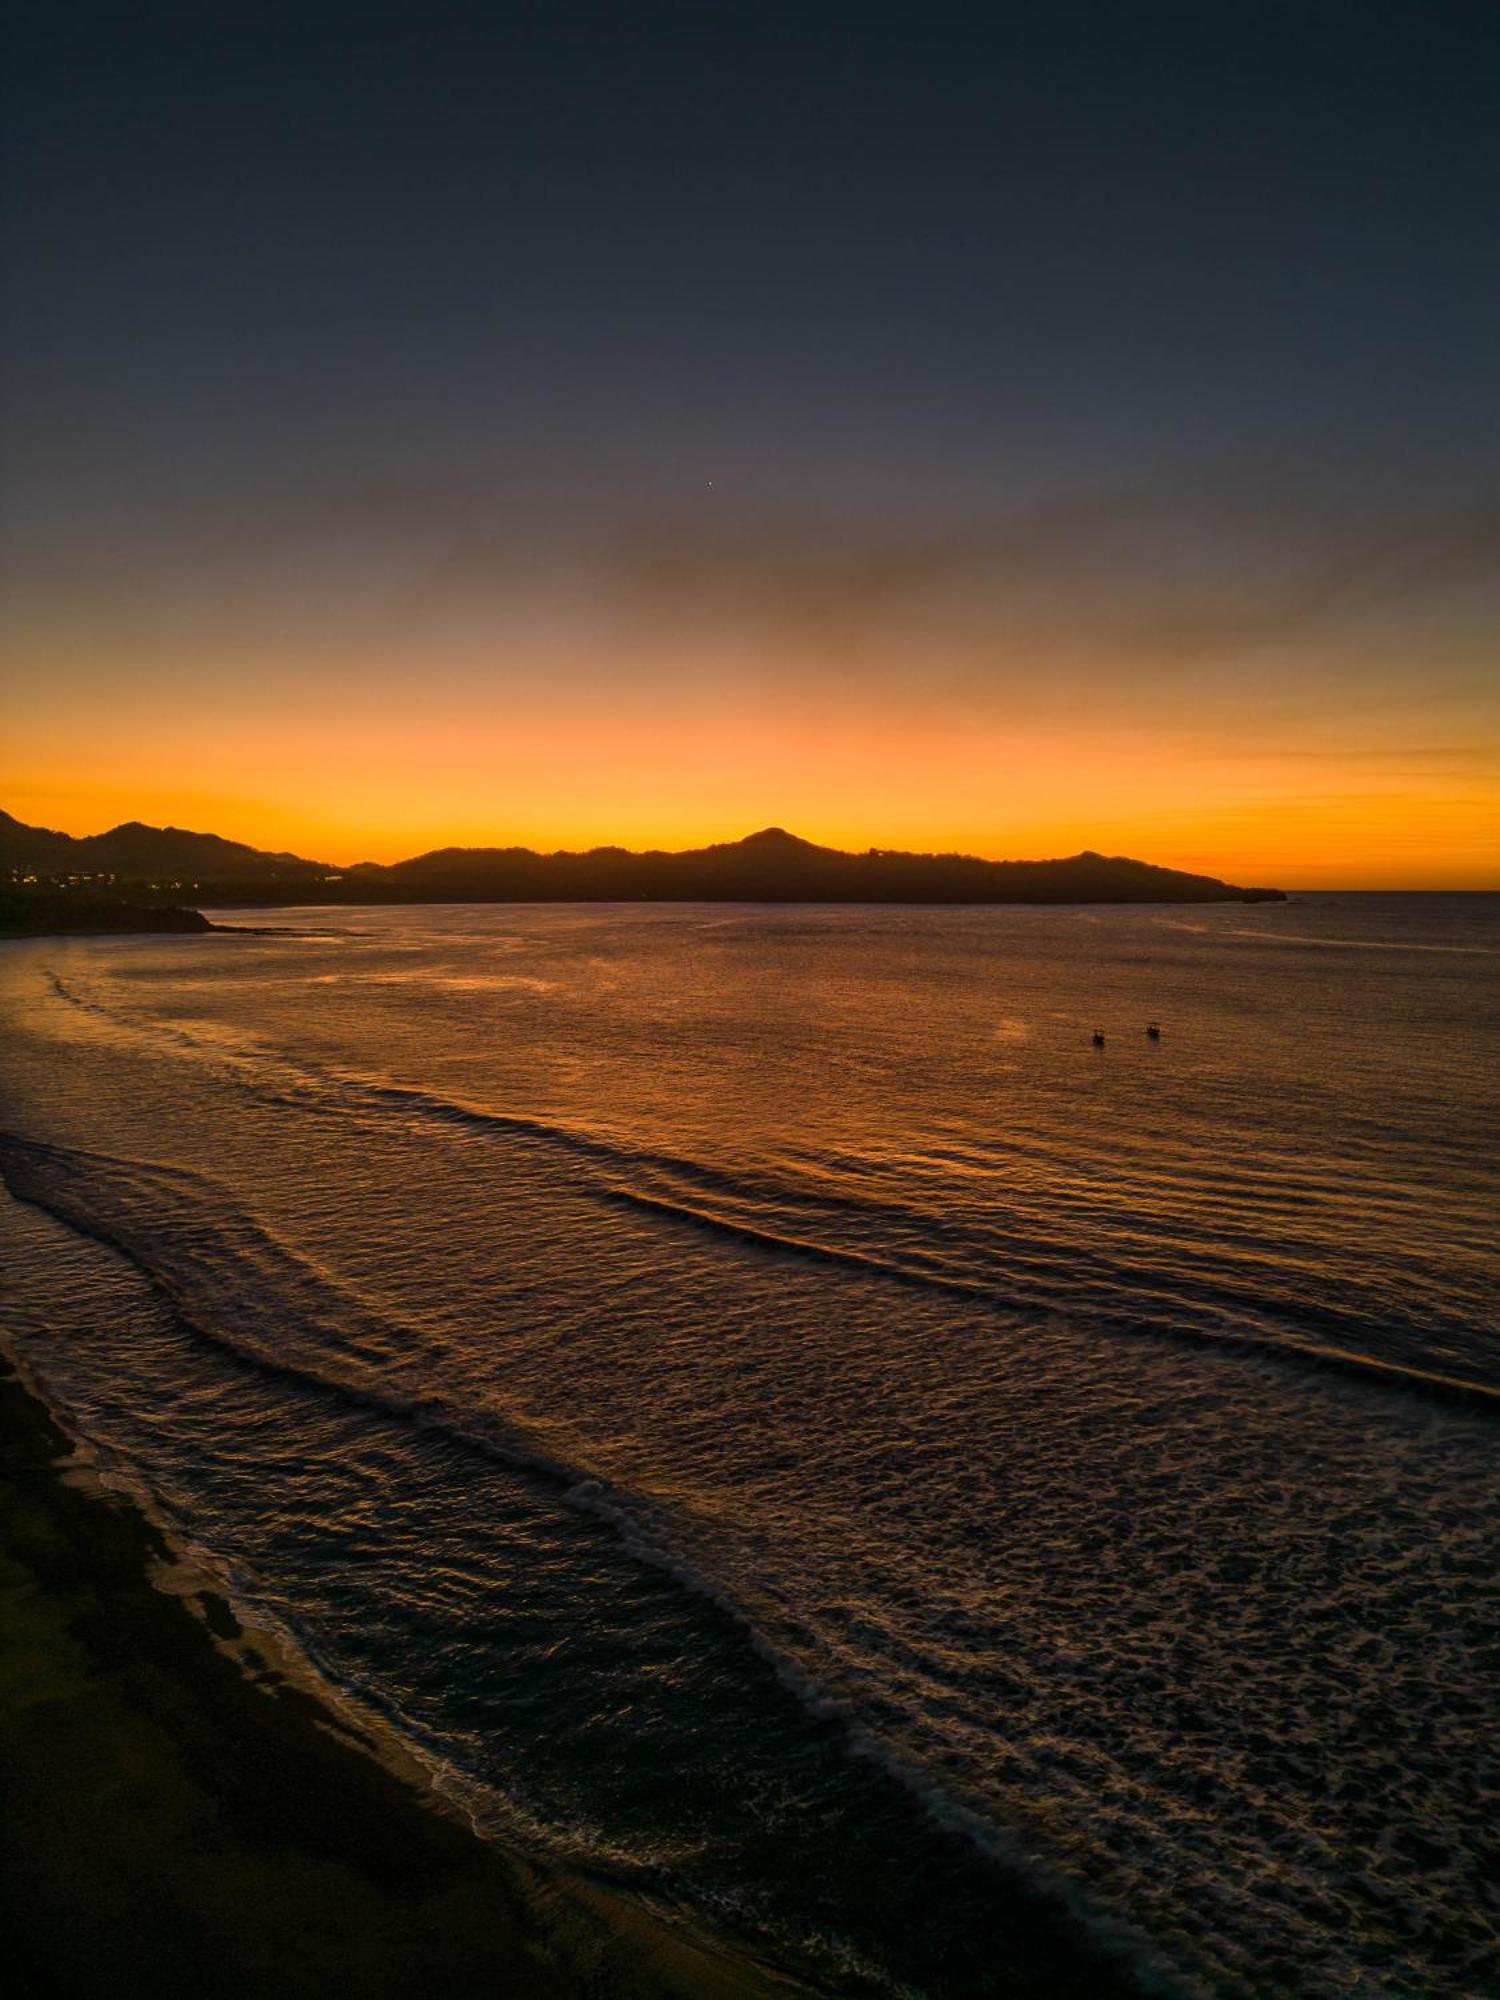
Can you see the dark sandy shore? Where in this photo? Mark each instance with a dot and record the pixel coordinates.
(178, 1818)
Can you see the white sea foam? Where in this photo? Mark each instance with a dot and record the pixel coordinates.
(971, 1385)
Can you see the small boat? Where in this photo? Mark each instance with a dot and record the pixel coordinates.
(1153, 1031)
(1098, 1038)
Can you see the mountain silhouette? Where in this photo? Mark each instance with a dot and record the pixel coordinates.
(138, 853)
(771, 866)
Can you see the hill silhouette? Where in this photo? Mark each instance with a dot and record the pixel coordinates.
(150, 865)
(137, 853)
(774, 866)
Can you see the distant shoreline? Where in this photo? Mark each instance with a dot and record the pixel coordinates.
(129, 920)
(155, 866)
(152, 920)
(136, 919)
(124, 919)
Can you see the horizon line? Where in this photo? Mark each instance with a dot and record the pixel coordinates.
(517, 845)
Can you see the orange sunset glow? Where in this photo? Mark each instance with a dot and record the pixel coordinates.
(749, 909)
(381, 792)
(1032, 686)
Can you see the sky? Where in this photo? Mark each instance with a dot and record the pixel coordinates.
(1001, 429)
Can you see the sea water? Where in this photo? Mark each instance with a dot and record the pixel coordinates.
(768, 1410)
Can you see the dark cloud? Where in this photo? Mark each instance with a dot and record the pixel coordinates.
(1164, 578)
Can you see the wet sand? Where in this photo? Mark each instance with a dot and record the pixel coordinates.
(179, 1817)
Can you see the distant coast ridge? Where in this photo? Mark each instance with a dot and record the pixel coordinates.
(46, 876)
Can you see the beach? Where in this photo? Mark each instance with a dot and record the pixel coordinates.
(823, 1467)
(179, 1817)
(749, 1003)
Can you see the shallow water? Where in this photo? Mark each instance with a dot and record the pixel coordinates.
(768, 1409)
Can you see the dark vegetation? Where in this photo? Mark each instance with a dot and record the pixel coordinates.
(154, 867)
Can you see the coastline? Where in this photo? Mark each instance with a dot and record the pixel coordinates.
(180, 1816)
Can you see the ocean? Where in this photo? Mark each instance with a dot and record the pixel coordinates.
(767, 1411)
